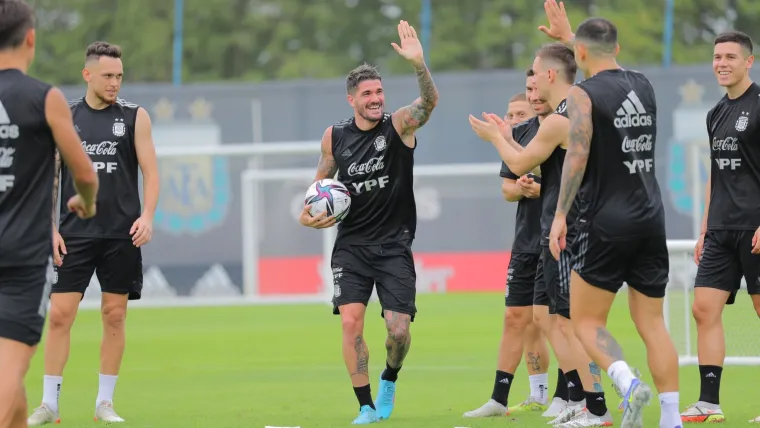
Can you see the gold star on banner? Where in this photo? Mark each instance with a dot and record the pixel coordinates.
(200, 109)
(691, 92)
(164, 110)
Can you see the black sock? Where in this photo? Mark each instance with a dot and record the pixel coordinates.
(364, 395)
(501, 387)
(710, 384)
(574, 386)
(390, 374)
(595, 403)
(561, 390)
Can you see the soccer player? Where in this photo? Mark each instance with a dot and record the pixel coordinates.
(729, 245)
(620, 221)
(555, 70)
(34, 120)
(520, 333)
(117, 137)
(373, 154)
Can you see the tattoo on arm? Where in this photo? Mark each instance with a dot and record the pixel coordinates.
(596, 374)
(362, 357)
(56, 183)
(534, 362)
(579, 146)
(327, 166)
(607, 344)
(398, 341)
(419, 112)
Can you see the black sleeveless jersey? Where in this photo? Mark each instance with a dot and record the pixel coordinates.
(528, 219)
(619, 195)
(27, 169)
(108, 136)
(551, 179)
(377, 168)
(734, 130)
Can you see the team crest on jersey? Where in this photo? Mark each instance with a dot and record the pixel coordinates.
(741, 123)
(380, 143)
(119, 129)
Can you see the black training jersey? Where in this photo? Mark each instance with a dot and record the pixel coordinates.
(27, 169)
(551, 179)
(108, 136)
(734, 130)
(528, 219)
(619, 195)
(377, 168)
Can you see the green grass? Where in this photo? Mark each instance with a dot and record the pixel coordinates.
(282, 366)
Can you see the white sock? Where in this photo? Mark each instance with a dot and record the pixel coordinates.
(669, 413)
(539, 387)
(105, 388)
(51, 390)
(621, 374)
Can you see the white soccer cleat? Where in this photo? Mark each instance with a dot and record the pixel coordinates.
(702, 412)
(555, 408)
(106, 413)
(43, 415)
(588, 419)
(568, 412)
(756, 420)
(490, 409)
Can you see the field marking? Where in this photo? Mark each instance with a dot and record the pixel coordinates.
(323, 367)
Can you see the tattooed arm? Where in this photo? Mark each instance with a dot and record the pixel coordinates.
(578, 147)
(327, 167)
(408, 119)
(56, 185)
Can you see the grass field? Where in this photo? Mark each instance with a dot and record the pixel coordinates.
(281, 366)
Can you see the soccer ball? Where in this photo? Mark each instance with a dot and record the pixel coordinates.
(328, 195)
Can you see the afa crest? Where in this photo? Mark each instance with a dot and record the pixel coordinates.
(380, 143)
(197, 194)
(741, 123)
(119, 129)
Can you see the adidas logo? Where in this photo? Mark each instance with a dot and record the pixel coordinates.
(711, 374)
(632, 114)
(8, 131)
(346, 153)
(215, 282)
(505, 380)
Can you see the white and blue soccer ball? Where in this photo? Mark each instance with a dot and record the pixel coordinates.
(328, 195)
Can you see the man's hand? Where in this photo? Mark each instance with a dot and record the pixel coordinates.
(559, 25)
(411, 48)
(699, 248)
(504, 128)
(558, 235)
(59, 248)
(528, 187)
(76, 205)
(756, 242)
(321, 221)
(488, 130)
(142, 230)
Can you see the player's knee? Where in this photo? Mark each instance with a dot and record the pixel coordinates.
(705, 312)
(398, 327)
(351, 324)
(61, 317)
(518, 319)
(114, 316)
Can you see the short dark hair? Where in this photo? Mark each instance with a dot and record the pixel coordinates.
(518, 97)
(599, 34)
(530, 73)
(16, 18)
(562, 55)
(735, 37)
(360, 74)
(100, 49)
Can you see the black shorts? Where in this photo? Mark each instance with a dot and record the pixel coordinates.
(24, 293)
(726, 258)
(559, 296)
(540, 295)
(641, 262)
(117, 263)
(521, 279)
(358, 268)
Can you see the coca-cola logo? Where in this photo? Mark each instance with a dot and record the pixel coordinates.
(374, 164)
(730, 144)
(642, 143)
(102, 148)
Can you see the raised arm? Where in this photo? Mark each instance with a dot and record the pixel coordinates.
(578, 148)
(69, 145)
(409, 119)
